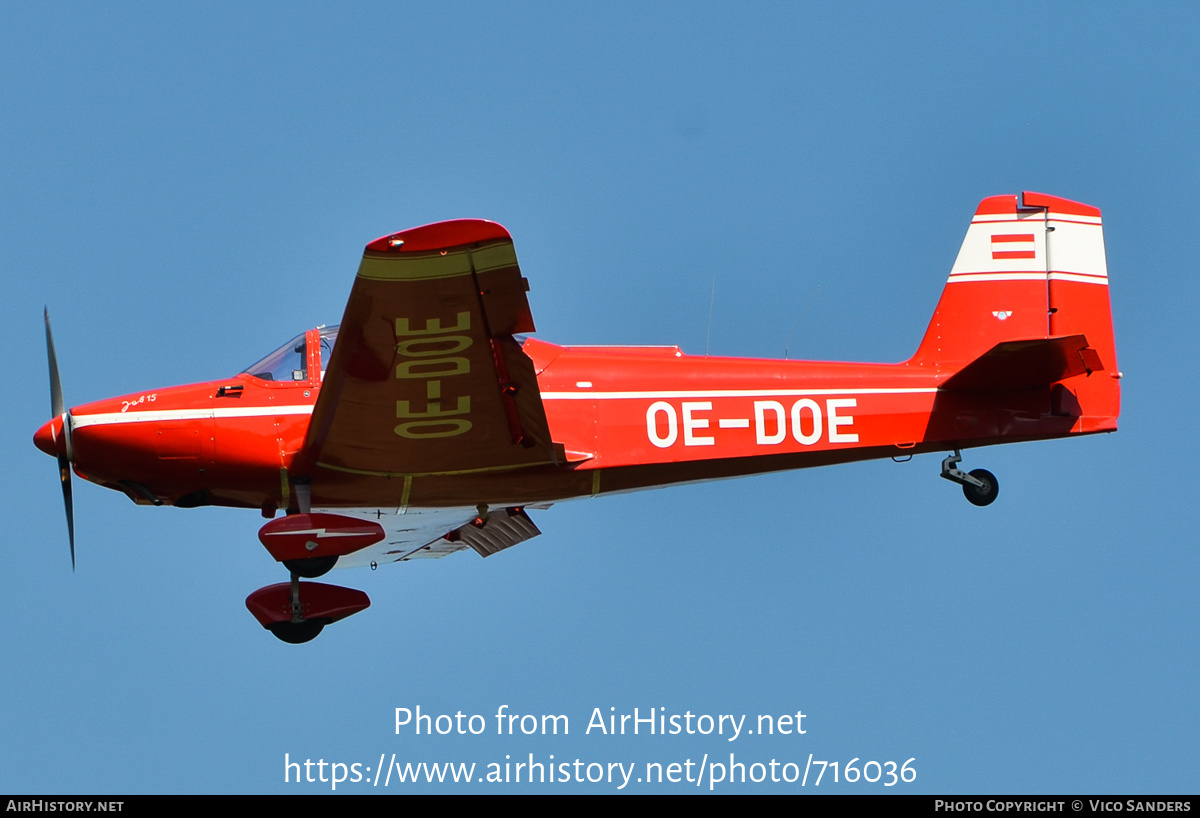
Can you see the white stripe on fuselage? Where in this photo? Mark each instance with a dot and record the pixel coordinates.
(161, 415)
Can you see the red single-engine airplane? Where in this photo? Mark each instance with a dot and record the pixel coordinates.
(426, 423)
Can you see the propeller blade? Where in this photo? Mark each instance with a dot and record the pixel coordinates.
(64, 472)
(64, 460)
(56, 398)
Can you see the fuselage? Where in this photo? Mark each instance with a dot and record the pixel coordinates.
(626, 418)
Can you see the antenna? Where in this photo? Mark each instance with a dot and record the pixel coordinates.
(796, 326)
(712, 297)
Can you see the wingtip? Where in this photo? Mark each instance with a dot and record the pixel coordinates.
(441, 236)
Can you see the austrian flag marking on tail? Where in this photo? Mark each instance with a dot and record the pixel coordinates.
(1013, 245)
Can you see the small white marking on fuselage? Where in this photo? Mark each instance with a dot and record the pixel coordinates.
(125, 404)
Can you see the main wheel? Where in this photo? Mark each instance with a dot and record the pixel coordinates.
(983, 495)
(311, 567)
(297, 633)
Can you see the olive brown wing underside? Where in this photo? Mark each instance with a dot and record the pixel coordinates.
(425, 376)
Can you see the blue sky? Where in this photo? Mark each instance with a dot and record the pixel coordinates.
(188, 186)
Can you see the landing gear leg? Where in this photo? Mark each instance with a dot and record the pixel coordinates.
(298, 630)
(980, 486)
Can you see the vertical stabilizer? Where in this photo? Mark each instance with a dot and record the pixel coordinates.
(1031, 267)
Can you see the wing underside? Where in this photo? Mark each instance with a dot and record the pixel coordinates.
(431, 533)
(426, 377)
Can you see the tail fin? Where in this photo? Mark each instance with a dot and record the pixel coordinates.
(1030, 267)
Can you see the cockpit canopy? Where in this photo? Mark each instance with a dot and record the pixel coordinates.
(290, 361)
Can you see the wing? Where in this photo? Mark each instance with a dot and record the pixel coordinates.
(425, 376)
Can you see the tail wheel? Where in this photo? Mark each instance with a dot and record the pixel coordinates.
(983, 495)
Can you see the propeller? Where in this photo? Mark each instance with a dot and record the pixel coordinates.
(66, 453)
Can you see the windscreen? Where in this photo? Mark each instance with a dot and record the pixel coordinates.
(288, 363)
(328, 338)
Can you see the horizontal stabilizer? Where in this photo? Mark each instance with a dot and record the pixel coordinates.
(1027, 364)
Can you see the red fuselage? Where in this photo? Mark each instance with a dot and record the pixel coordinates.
(627, 418)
